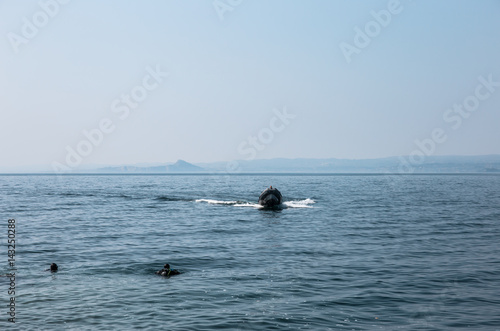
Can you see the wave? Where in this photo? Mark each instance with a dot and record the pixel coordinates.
(171, 198)
(306, 203)
(249, 204)
(217, 202)
(73, 194)
(230, 203)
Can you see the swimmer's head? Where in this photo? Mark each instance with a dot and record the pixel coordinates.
(166, 266)
(53, 267)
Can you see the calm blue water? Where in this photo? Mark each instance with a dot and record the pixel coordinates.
(345, 253)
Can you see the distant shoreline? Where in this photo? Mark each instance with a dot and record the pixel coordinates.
(395, 165)
(262, 174)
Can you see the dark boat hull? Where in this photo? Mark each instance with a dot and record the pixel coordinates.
(271, 197)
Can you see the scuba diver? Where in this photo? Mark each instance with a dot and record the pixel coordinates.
(53, 268)
(167, 272)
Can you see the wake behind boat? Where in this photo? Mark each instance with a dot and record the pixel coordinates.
(271, 197)
(305, 203)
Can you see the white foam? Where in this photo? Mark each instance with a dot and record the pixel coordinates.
(217, 202)
(299, 203)
(249, 204)
(306, 203)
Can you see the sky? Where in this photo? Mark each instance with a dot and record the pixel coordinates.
(153, 81)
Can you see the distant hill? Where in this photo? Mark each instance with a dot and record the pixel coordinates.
(395, 165)
(430, 164)
(180, 166)
(183, 166)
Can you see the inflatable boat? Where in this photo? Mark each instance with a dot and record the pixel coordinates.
(270, 197)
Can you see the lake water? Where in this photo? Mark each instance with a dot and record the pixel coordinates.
(346, 252)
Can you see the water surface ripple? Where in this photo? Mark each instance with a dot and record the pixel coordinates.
(344, 253)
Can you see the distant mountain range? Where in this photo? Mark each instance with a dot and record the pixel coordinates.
(180, 166)
(431, 164)
(428, 164)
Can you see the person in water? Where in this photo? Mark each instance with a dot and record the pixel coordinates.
(167, 272)
(53, 268)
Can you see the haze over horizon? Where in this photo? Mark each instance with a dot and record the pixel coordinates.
(127, 82)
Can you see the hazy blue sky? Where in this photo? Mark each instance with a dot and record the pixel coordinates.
(232, 65)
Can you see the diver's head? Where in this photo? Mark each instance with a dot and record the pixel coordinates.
(53, 267)
(166, 266)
